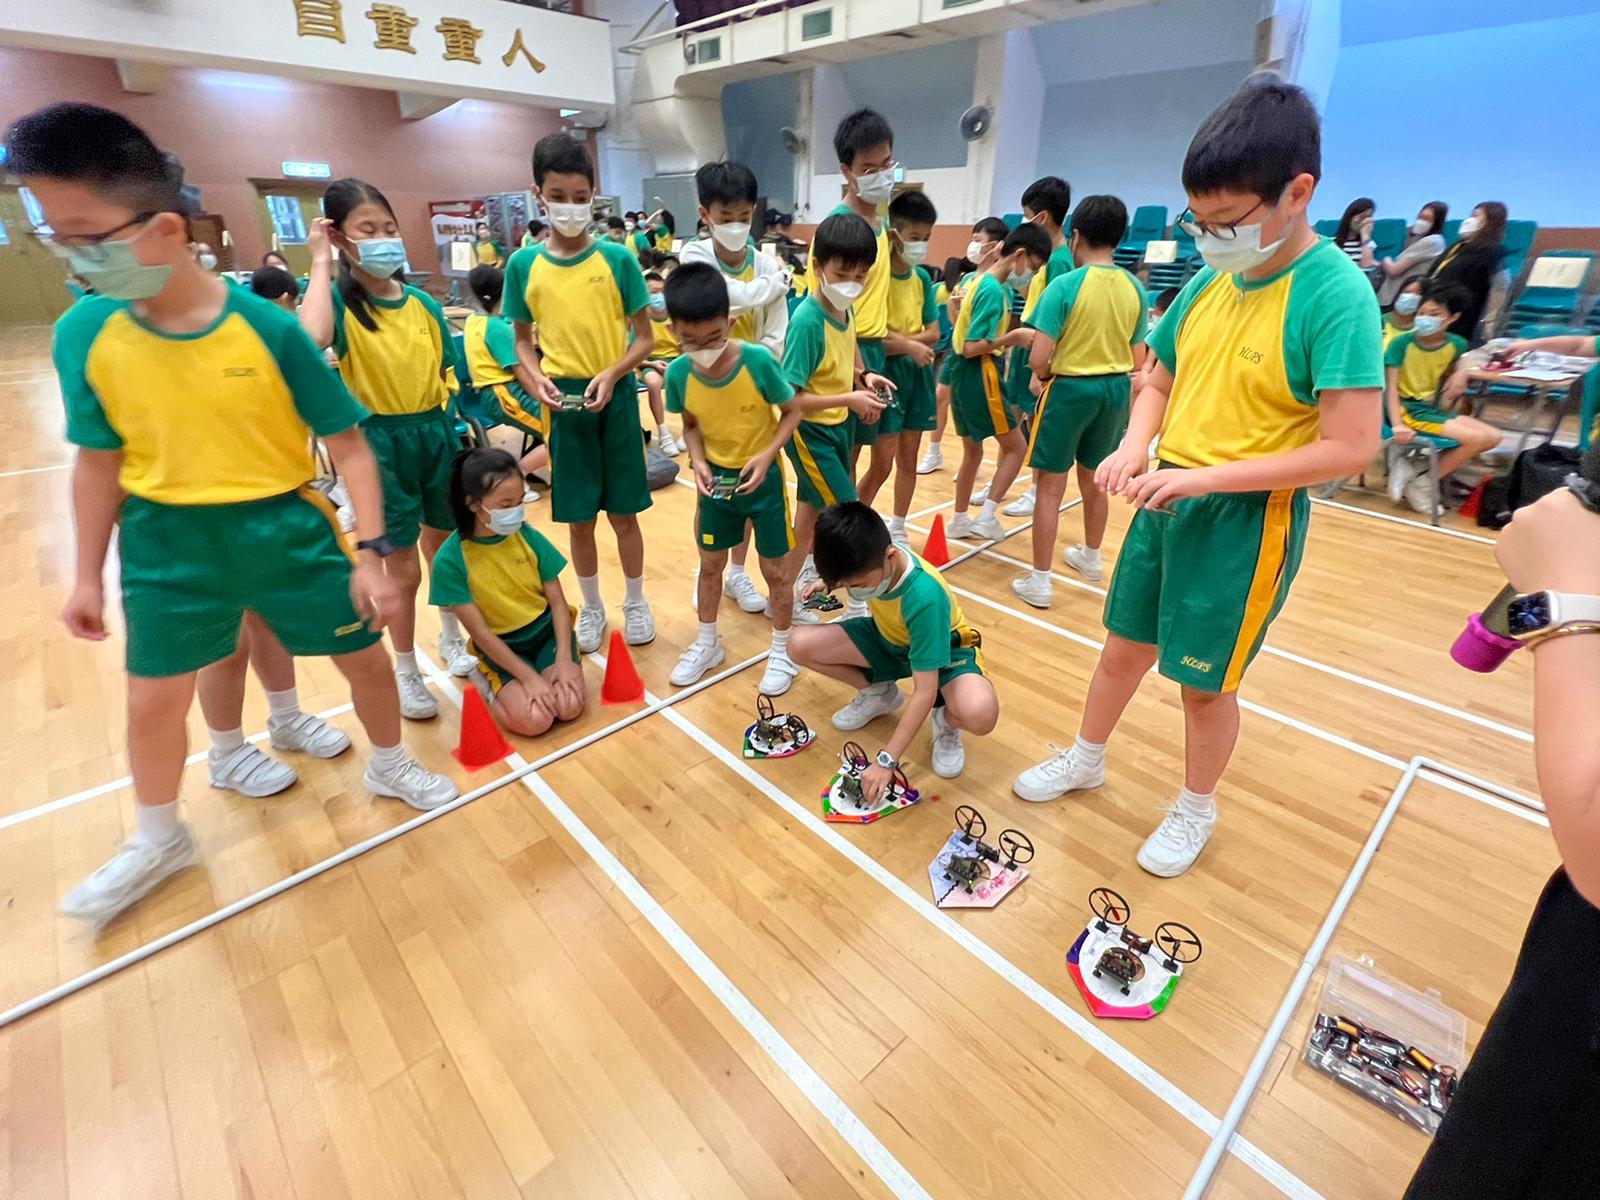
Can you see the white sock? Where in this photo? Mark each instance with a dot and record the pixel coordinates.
(449, 627)
(633, 589)
(1087, 752)
(285, 703)
(1197, 805)
(897, 528)
(780, 641)
(1090, 555)
(405, 663)
(735, 570)
(157, 824)
(1033, 491)
(663, 430)
(1041, 577)
(589, 585)
(388, 759)
(708, 634)
(225, 741)
(988, 510)
(958, 511)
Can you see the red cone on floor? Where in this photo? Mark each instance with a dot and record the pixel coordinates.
(481, 743)
(937, 552)
(1474, 502)
(622, 684)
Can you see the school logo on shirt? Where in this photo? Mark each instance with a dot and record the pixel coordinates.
(1253, 357)
(239, 372)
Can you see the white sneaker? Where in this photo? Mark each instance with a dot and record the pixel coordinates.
(307, 734)
(1419, 493)
(1062, 772)
(638, 625)
(682, 447)
(1036, 592)
(988, 528)
(250, 772)
(780, 673)
(1176, 843)
(665, 442)
(1085, 562)
(874, 700)
(130, 874)
(980, 495)
(591, 629)
(529, 496)
(1022, 506)
(460, 661)
(696, 661)
(960, 526)
(856, 608)
(949, 756)
(420, 789)
(742, 589)
(416, 701)
(932, 460)
(1400, 473)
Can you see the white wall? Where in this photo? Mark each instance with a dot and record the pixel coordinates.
(1019, 120)
(625, 161)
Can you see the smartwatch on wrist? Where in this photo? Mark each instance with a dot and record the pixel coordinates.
(380, 545)
(887, 761)
(1537, 615)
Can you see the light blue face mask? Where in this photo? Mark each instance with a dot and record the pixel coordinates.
(113, 269)
(505, 520)
(1406, 303)
(1427, 326)
(1021, 279)
(874, 592)
(659, 302)
(381, 257)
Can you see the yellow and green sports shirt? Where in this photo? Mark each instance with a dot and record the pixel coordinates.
(871, 309)
(744, 325)
(985, 314)
(912, 304)
(1422, 369)
(582, 304)
(1058, 264)
(221, 416)
(1391, 330)
(1249, 358)
(398, 367)
(819, 356)
(488, 252)
(491, 350)
(737, 414)
(504, 577)
(1097, 314)
(664, 343)
(922, 614)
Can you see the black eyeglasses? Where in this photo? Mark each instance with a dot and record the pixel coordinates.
(1225, 232)
(89, 246)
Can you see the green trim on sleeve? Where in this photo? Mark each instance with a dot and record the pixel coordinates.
(447, 578)
(804, 346)
(1051, 314)
(501, 341)
(87, 423)
(673, 383)
(1163, 339)
(629, 278)
(320, 396)
(926, 611)
(766, 372)
(551, 561)
(514, 297)
(930, 299)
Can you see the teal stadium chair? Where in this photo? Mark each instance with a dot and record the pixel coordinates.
(1388, 236)
(1326, 228)
(1149, 224)
(1552, 304)
(1519, 240)
(472, 418)
(1452, 231)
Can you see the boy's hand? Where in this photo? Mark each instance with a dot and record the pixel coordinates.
(84, 613)
(373, 593)
(568, 681)
(865, 404)
(541, 696)
(1022, 335)
(318, 241)
(875, 781)
(872, 381)
(546, 392)
(1036, 386)
(1159, 489)
(1404, 435)
(920, 353)
(754, 473)
(814, 588)
(654, 364)
(704, 477)
(1120, 467)
(1552, 544)
(1455, 386)
(598, 394)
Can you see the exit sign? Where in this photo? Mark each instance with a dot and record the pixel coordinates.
(307, 170)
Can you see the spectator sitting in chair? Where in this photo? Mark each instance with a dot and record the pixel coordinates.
(1415, 364)
(1354, 235)
(1424, 244)
(1474, 263)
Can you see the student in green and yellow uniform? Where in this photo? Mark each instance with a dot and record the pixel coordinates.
(193, 405)
(977, 396)
(988, 234)
(822, 364)
(913, 329)
(1415, 365)
(913, 629)
(1400, 318)
(536, 232)
(737, 415)
(1268, 380)
(395, 353)
(654, 233)
(501, 577)
(663, 349)
(864, 144)
(591, 305)
(491, 352)
(486, 251)
(1089, 327)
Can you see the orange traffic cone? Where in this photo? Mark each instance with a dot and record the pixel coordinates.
(1474, 503)
(937, 552)
(481, 743)
(622, 684)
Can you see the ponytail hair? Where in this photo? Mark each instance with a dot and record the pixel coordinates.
(473, 475)
(341, 199)
(487, 282)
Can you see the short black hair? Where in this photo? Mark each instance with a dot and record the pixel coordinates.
(1452, 297)
(992, 228)
(558, 153)
(98, 147)
(725, 183)
(272, 282)
(1167, 295)
(667, 260)
(1259, 140)
(654, 275)
(850, 538)
(846, 239)
(1101, 221)
(697, 292)
(1052, 195)
(1027, 237)
(487, 282)
(616, 223)
(535, 226)
(912, 208)
(861, 130)
(474, 474)
(667, 222)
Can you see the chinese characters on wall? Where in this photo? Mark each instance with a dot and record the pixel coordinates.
(393, 28)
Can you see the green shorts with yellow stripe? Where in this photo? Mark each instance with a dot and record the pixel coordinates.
(722, 521)
(414, 453)
(821, 458)
(1019, 380)
(534, 644)
(597, 460)
(886, 661)
(977, 398)
(873, 359)
(507, 404)
(1427, 418)
(1203, 580)
(1081, 419)
(191, 571)
(914, 407)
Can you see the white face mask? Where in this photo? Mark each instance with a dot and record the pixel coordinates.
(731, 236)
(875, 186)
(707, 357)
(915, 252)
(1470, 226)
(976, 250)
(628, 225)
(569, 220)
(842, 294)
(1420, 227)
(504, 520)
(1242, 252)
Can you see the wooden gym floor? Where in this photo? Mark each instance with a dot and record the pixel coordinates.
(651, 970)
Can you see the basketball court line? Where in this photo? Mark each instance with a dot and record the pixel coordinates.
(1390, 517)
(35, 470)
